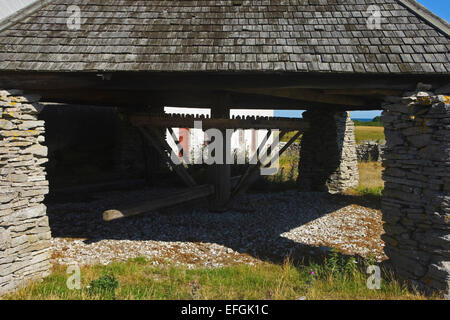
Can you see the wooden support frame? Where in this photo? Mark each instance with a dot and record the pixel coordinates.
(252, 171)
(224, 189)
(247, 177)
(162, 147)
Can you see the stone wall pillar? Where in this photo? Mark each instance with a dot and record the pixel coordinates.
(24, 228)
(416, 198)
(328, 159)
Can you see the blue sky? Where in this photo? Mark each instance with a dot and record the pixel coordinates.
(439, 7)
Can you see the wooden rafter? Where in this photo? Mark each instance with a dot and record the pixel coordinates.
(313, 96)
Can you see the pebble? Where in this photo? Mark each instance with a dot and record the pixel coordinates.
(259, 227)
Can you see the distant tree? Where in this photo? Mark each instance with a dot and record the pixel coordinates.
(376, 119)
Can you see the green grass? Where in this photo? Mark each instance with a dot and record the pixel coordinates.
(335, 277)
(368, 123)
(364, 133)
(284, 179)
(289, 135)
(366, 191)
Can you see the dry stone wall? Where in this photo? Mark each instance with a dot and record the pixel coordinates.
(24, 228)
(416, 199)
(328, 159)
(370, 151)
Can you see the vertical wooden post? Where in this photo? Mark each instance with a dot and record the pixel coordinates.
(153, 159)
(221, 173)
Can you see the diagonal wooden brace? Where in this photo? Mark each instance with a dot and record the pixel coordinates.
(252, 171)
(161, 145)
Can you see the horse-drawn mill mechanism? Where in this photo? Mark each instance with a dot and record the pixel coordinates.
(223, 188)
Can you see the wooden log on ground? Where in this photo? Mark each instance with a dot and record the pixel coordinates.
(175, 198)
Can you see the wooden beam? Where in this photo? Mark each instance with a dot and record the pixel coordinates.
(179, 197)
(140, 119)
(314, 96)
(363, 92)
(221, 173)
(175, 98)
(144, 81)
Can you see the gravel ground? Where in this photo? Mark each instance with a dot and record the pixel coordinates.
(259, 227)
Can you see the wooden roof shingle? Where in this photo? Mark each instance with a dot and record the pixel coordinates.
(226, 35)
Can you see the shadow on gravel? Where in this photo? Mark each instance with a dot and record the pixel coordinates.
(254, 225)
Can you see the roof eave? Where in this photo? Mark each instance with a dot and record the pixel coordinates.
(22, 14)
(427, 15)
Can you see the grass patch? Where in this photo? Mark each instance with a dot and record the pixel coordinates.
(335, 277)
(371, 183)
(367, 123)
(284, 179)
(370, 175)
(364, 133)
(288, 136)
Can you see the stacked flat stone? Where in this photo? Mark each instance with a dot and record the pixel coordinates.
(416, 200)
(370, 151)
(24, 227)
(328, 160)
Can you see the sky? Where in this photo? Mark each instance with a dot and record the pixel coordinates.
(438, 7)
(10, 6)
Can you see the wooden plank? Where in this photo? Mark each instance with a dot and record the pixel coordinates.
(179, 197)
(145, 81)
(367, 92)
(221, 173)
(314, 96)
(140, 119)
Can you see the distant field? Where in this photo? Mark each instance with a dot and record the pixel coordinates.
(372, 133)
(369, 133)
(367, 123)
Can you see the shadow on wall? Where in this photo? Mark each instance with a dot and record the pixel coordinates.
(81, 141)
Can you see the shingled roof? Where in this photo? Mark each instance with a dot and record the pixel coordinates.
(227, 35)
